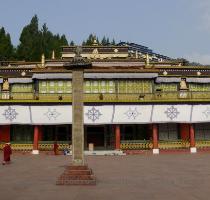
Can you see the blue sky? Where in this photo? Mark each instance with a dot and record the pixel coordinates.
(176, 28)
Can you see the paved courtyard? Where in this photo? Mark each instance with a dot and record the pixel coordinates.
(167, 176)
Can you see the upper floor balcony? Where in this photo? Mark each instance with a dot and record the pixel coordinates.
(179, 96)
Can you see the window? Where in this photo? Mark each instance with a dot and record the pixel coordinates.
(168, 132)
(95, 83)
(87, 83)
(68, 83)
(111, 87)
(166, 87)
(103, 88)
(60, 83)
(202, 131)
(52, 83)
(44, 83)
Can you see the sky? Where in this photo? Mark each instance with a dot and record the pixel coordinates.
(175, 28)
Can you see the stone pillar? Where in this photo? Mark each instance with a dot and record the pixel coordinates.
(192, 139)
(78, 173)
(77, 118)
(36, 140)
(117, 137)
(155, 149)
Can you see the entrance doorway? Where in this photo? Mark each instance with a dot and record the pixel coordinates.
(95, 135)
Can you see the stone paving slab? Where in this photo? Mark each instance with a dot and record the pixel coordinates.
(160, 177)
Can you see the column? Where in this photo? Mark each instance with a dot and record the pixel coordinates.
(192, 139)
(184, 131)
(77, 118)
(117, 137)
(155, 149)
(36, 140)
(40, 133)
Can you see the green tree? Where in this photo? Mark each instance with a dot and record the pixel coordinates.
(113, 42)
(72, 43)
(35, 42)
(107, 42)
(58, 41)
(52, 42)
(103, 41)
(6, 47)
(90, 40)
(46, 41)
(30, 46)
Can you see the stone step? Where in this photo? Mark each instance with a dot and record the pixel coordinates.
(78, 172)
(72, 167)
(76, 182)
(76, 177)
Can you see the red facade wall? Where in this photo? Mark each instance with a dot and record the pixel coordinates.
(5, 133)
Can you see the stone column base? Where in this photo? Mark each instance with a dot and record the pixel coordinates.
(193, 150)
(155, 151)
(77, 175)
(35, 152)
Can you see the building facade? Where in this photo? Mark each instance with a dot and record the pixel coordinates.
(130, 104)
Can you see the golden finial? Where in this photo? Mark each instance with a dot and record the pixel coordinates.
(53, 54)
(147, 59)
(42, 60)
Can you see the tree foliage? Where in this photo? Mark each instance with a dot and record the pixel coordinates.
(34, 42)
(105, 41)
(30, 46)
(6, 47)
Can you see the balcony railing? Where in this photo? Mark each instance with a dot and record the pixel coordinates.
(108, 97)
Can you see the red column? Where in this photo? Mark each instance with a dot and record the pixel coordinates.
(117, 137)
(184, 131)
(155, 139)
(40, 133)
(192, 139)
(192, 136)
(36, 139)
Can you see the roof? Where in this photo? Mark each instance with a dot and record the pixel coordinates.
(45, 76)
(198, 80)
(168, 80)
(20, 80)
(52, 76)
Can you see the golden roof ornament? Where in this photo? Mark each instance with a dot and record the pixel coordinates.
(95, 51)
(116, 50)
(5, 86)
(136, 54)
(95, 43)
(42, 60)
(147, 59)
(165, 73)
(183, 84)
(198, 73)
(53, 54)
